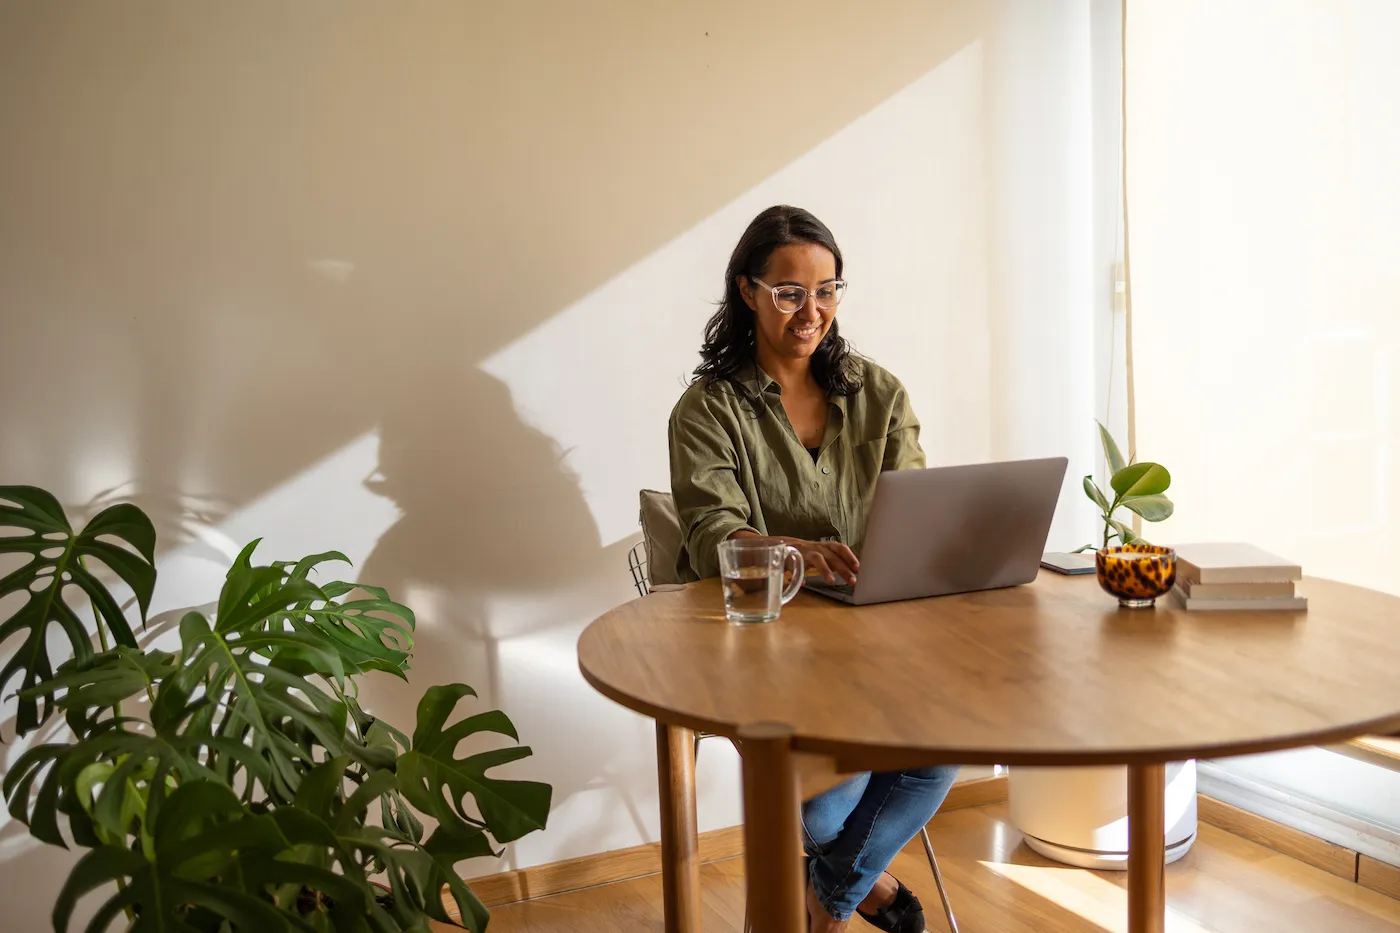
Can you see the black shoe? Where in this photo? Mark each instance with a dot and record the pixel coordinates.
(904, 914)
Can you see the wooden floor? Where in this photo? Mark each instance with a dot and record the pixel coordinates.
(997, 885)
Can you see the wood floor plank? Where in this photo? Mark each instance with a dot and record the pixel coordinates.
(621, 864)
(1225, 884)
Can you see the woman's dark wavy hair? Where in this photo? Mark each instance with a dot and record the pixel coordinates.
(728, 349)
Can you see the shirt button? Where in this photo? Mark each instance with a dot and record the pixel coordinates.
(816, 485)
(826, 469)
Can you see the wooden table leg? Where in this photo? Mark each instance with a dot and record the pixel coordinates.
(680, 841)
(1147, 848)
(776, 890)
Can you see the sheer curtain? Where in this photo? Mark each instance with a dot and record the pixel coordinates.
(1264, 219)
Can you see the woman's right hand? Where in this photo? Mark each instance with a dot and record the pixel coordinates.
(827, 558)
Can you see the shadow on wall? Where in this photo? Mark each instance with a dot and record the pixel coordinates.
(488, 509)
(492, 521)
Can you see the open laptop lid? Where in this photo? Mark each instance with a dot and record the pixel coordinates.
(957, 529)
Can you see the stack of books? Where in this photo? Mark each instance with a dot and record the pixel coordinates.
(1235, 576)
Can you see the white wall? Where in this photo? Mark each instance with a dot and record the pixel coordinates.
(1351, 787)
(421, 283)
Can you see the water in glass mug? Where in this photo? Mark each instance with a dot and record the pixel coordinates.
(752, 573)
(752, 594)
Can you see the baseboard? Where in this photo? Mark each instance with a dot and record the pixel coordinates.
(979, 792)
(1299, 813)
(524, 884)
(1223, 807)
(1378, 876)
(622, 864)
(1285, 840)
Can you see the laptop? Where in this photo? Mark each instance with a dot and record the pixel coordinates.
(953, 530)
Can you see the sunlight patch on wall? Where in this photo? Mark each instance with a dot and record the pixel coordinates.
(902, 189)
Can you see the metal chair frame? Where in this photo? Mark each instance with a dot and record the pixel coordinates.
(637, 564)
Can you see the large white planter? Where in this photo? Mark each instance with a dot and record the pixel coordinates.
(1079, 816)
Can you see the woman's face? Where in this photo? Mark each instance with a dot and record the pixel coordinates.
(795, 335)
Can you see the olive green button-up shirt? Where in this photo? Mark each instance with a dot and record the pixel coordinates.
(738, 464)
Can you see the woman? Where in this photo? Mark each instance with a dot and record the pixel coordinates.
(783, 434)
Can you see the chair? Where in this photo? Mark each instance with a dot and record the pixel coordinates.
(653, 561)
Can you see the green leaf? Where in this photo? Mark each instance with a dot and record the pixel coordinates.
(278, 716)
(1125, 533)
(249, 779)
(432, 775)
(58, 557)
(1092, 491)
(1110, 449)
(449, 845)
(39, 812)
(1152, 508)
(106, 679)
(1141, 479)
(367, 634)
(209, 854)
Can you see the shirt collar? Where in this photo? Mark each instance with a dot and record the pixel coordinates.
(758, 382)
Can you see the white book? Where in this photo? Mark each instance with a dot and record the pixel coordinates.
(1233, 562)
(1236, 590)
(1258, 604)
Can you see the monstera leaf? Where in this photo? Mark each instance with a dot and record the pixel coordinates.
(431, 773)
(110, 782)
(416, 874)
(239, 797)
(60, 557)
(281, 717)
(117, 755)
(369, 634)
(211, 861)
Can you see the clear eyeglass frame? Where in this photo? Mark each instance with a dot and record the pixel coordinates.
(796, 295)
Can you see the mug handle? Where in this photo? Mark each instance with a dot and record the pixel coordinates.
(797, 577)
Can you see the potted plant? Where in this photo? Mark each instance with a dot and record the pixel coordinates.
(234, 783)
(1138, 487)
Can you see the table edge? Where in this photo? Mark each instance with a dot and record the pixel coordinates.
(866, 756)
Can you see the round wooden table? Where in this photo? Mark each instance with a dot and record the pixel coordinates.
(1053, 673)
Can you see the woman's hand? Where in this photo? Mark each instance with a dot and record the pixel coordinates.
(828, 558)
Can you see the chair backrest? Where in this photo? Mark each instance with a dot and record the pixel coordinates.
(637, 564)
(661, 536)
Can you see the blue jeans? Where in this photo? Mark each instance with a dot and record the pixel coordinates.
(853, 831)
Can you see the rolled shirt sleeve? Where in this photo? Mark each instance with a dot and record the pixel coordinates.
(704, 481)
(902, 450)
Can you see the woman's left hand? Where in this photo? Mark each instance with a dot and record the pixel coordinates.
(828, 558)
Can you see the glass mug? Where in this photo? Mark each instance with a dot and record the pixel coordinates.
(751, 571)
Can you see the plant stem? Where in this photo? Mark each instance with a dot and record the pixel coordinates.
(102, 640)
(96, 616)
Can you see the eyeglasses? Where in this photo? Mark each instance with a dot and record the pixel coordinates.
(790, 298)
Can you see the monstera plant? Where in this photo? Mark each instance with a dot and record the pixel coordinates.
(236, 783)
(1137, 487)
